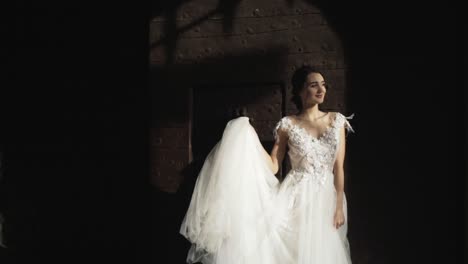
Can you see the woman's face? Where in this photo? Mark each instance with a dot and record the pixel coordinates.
(314, 89)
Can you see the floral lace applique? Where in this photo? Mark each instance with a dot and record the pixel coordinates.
(284, 124)
(312, 157)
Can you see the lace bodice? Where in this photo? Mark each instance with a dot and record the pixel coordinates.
(309, 154)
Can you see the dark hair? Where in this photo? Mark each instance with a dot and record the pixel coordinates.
(298, 79)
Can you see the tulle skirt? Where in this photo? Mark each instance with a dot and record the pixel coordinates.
(240, 213)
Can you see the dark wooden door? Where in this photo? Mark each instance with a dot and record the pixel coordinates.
(214, 105)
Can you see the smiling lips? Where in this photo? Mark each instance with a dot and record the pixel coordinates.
(319, 96)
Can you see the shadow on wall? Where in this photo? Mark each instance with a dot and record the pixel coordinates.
(174, 82)
(167, 10)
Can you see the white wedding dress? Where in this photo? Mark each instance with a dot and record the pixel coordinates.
(241, 214)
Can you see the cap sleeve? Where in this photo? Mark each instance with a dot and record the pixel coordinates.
(343, 121)
(282, 126)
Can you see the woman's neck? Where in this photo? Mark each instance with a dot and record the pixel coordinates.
(310, 113)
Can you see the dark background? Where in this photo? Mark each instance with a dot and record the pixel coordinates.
(74, 124)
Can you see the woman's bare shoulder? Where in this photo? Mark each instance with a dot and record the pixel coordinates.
(285, 122)
(335, 114)
(291, 117)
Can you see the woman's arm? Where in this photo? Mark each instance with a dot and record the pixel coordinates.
(338, 169)
(276, 156)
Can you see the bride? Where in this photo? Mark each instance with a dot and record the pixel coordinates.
(241, 214)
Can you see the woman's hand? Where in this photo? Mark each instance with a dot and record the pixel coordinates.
(339, 219)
